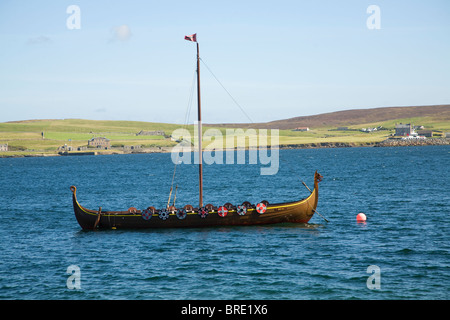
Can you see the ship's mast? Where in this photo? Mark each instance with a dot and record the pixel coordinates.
(193, 38)
(200, 151)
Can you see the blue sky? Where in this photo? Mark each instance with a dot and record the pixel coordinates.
(278, 59)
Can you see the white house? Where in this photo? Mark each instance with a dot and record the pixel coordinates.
(301, 129)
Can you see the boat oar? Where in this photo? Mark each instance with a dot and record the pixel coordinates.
(306, 187)
(320, 215)
(175, 196)
(98, 217)
(313, 208)
(170, 196)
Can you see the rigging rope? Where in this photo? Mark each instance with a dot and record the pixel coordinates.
(232, 98)
(186, 120)
(189, 106)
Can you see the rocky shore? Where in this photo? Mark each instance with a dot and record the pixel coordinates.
(413, 142)
(385, 143)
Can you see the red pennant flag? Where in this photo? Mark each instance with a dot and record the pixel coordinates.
(192, 37)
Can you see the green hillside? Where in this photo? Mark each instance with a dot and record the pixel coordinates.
(44, 137)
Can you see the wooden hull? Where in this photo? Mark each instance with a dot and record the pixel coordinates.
(291, 212)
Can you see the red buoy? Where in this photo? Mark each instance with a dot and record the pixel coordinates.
(361, 217)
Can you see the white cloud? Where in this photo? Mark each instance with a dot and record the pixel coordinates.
(121, 33)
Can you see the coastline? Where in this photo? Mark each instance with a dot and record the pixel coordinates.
(321, 145)
(384, 143)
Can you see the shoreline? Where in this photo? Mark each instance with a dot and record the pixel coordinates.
(319, 145)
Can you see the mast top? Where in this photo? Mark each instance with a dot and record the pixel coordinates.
(192, 37)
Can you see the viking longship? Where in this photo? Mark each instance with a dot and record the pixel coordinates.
(188, 216)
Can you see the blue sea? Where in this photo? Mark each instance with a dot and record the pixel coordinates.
(400, 252)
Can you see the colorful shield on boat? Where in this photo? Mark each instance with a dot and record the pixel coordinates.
(223, 211)
(164, 214)
(146, 214)
(181, 214)
(202, 212)
(261, 208)
(241, 210)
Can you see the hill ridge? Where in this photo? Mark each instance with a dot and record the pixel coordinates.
(350, 117)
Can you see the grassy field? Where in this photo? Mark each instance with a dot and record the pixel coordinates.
(25, 137)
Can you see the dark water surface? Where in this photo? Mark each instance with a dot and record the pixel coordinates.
(405, 192)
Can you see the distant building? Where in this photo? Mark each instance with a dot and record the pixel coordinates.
(150, 133)
(425, 133)
(4, 147)
(369, 129)
(301, 129)
(65, 147)
(413, 137)
(404, 129)
(447, 134)
(100, 142)
(137, 147)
